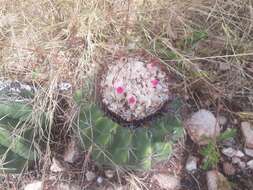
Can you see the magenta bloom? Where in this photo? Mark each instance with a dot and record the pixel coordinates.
(120, 90)
(154, 82)
(132, 100)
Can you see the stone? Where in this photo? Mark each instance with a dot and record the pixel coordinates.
(202, 127)
(230, 152)
(90, 176)
(250, 164)
(109, 173)
(72, 152)
(216, 181)
(239, 162)
(191, 163)
(248, 152)
(35, 185)
(56, 166)
(222, 120)
(228, 169)
(168, 182)
(247, 131)
(100, 180)
(64, 86)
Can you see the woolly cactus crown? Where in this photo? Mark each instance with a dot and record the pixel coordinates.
(134, 87)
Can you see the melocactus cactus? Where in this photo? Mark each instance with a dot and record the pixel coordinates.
(134, 87)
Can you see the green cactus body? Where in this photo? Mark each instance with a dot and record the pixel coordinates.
(114, 145)
(16, 152)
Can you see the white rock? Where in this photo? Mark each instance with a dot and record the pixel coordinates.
(222, 120)
(202, 127)
(64, 86)
(36, 185)
(72, 152)
(230, 152)
(191, 164)
(247, 131)
(167, 181)
(216, 181)
(109, 173)
(56, 166)
(248, 151)
(100, 180)
(90, 176)
(250, 164)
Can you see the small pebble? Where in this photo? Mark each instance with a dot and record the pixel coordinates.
(222, 120)
(100, 180)
(248, 152)
(191, 164)
(90, 176)
(109, 174)
(230, 152)
(250, 164)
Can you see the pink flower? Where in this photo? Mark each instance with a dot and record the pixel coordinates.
(120, 90)
(132, 100)
(154, 82)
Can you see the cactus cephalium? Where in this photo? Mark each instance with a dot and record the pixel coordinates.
(132, 90)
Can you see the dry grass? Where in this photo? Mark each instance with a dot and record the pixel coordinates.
(48, 42)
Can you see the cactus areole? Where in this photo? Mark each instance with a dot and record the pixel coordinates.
(134, 87)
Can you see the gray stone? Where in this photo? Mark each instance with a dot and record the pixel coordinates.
(202, 127)
(109, 173)
(250, 164)
(15, 91)
(247, 131)
(100, 180)
(216, 181)
(230, 152)
(248, 152)
(168, 182)
(191, 164)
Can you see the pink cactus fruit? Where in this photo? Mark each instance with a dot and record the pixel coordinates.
(154, 83)
(120, 90)
(132, 100)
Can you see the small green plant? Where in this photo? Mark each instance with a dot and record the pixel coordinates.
(211, 153)
(194, 38)
(114, 145)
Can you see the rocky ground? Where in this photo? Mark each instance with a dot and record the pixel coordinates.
(55, 48)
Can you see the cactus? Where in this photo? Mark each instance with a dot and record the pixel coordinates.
(114, 145)
(15, 149)
(133, 88)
